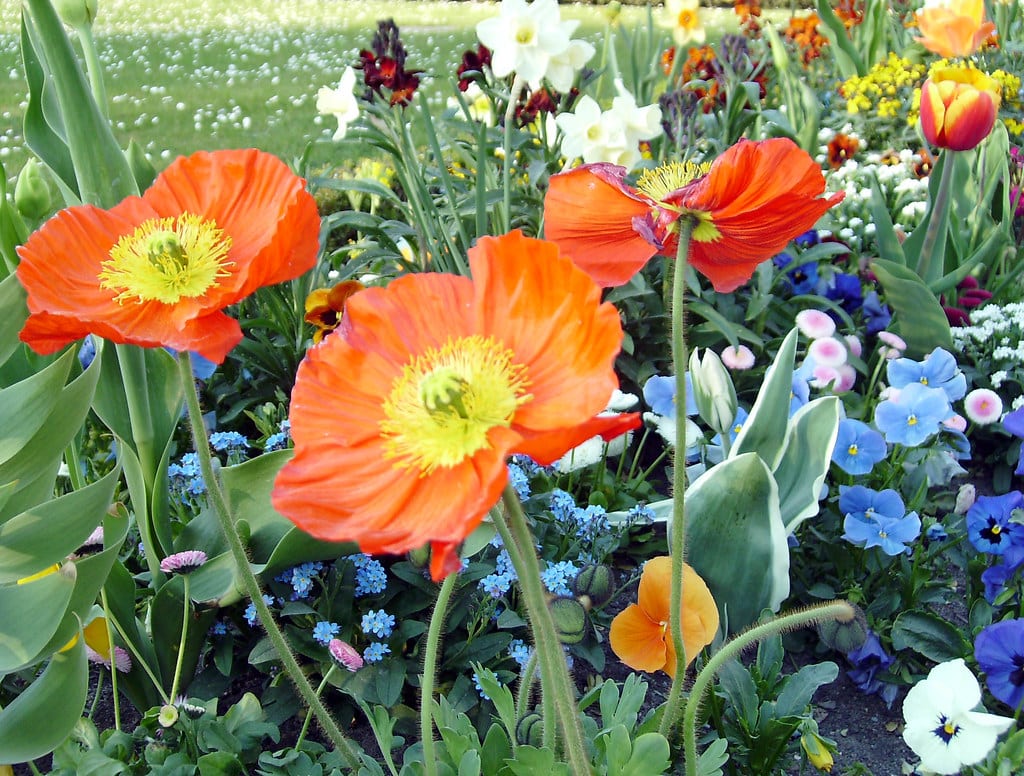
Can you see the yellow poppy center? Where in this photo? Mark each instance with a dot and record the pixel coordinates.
(662, 181)
(166, 259)
(442, 407)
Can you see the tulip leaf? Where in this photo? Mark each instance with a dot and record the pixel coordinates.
(922, 322)
(38, 720)
(32, 614)
(764, 431)
(13, 312)
(49, 532)
(736, 540)
(25, 406)
(801, 473)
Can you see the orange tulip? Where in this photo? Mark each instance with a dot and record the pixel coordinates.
(953, 28)
(640, 634)
(747, 206)
(404, 417)
(958, 107)
(157, 270)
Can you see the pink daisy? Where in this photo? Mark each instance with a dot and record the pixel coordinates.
(815, 324)
(738, 358)
(983, 406)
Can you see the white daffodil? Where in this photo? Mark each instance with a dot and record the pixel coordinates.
(523, 38)
(582, 128)
(340, 103)
(684, 21)
(941, 725)
(562, 68)
(639, 123)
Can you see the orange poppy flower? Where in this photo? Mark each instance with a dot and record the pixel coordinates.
(640, 634)
(324, 306)
(752, 201)
(956, 28)
(404, 417)
(157, 270)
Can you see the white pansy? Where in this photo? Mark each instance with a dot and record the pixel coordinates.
(340, 103)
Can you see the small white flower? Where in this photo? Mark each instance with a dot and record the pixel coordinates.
(941, 726)
(827, 351)
(562, 69)
(523, 38)
(738, 358)
(340, 103)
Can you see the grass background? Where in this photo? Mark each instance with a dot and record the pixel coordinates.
(184, 75)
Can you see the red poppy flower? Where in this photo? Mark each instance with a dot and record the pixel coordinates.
(748, 205)
(157, 270)
(640, 633)
(404, 417)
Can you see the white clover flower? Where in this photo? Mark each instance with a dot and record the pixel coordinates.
(523, 38)
(941, 725)
(340, 103)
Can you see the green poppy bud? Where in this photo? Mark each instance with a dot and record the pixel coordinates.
(597, 583)
(844, 636)
(32, 192)
(570, 619)
(530, 730)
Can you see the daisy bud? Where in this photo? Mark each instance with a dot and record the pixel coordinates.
(965, 498)
(738, 358)
(345, 655)
(183, 562)
(713, 390)
(983, 406)
(958, 107)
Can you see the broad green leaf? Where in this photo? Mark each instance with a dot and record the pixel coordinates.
(713, 758)
(764, 431)
(650, 756)
(801, 686)
(929, 635)
(50, 532)
(736, 540)
(39, 719)
(13, 312)
(922, 323)
(25, 405)
(32, 613)
(889, 244)
(805, 462)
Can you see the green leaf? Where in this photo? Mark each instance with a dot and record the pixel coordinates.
(25, 405)
(765, 429)
(390, 681)
(737, 686)
(922, 323)
(736, 539)
(885, 233)
(32, 614)
(801, 686)
(929, 635)
(713, 758)
(495, 750)
(48, 533)
(40, 718)
(531, 761)
(805, 462)
(13, 312)
(651, 755)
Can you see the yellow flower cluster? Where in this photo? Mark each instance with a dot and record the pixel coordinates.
(885, 90)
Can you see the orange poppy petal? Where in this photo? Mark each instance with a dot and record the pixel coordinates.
(638, 641)
(591, 214)
(253, 196)
(552, 318)
(546, 448)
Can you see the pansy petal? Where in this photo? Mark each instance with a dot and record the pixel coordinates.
(638, 641)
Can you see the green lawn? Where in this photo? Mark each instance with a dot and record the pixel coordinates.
(184, 75)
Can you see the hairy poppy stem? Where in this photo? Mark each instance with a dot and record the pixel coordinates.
(249, 582)
(678, 537)
(430, 673)
(836, 610)
(555, 679)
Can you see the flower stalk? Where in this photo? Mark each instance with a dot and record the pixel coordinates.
(939, 217)
(678, 542)
(430, 656)
(249, 582)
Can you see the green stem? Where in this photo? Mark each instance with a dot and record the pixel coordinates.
(93, 65)
(185, 615)
(430, 673)
(938, 217)
(309, 712)
(249, 582)
(506, 168)
(74, 464)
(677, 548)
(112, 620)
(554, 673)
(837, 610)
(96, 697)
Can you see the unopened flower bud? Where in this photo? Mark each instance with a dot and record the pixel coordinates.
(76, 13)
(345, 655)
(845, 635)
(32, 193)
(570, 619)
(713, 390)
(817, 750)
(420, 557)
(965, 498)
(530, 730)
(597, 583)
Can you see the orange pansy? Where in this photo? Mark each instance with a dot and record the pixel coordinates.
(954, 28)
(325, 306)
(640, 634)
(157, 270)
(403, 418)
(750, 203)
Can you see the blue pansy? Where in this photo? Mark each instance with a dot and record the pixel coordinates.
(913, 416)
(846, 290)
(1014, 423)
(866, 503)
(876, 315)
(999, 650)
(989, 525)
(938, 370)
(803, 279)
(660, 395)
(889, 533)
(858, 447)
(868, 660)
(808, 239)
